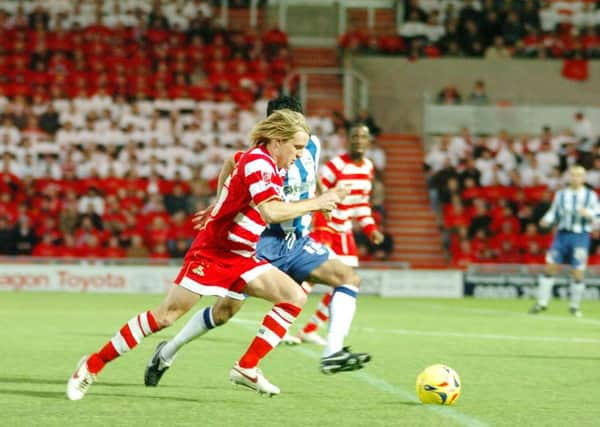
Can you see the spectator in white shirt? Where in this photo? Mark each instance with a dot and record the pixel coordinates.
(413, 28)
(9, 128)
(433, 30)
(438, 157)
(487, 167)
(113, 136)
(9, 165)
(195, 7)
(91, 202)
(534, 144)
(73, 115)
(377, 155)
(462, 144)
(495, 143)
(48, 167)
(28, 166)
(582, 128)
(178, 168)
(546, 158)
(530, 172)
(130, 153)
(509, 154)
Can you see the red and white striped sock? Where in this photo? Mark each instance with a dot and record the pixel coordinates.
(320, 316)
(126, 339)
(274, 326)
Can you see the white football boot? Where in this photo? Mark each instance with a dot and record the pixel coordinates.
(80, 381)
(252, 378)
(289, 339)
(312, 338)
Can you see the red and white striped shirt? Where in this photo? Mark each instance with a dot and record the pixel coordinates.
(342, 170)
(235, 224)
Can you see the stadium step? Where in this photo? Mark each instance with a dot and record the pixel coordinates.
(239, 19)
(384, 20)
(325, 91)
(314, 57)
(417, 238)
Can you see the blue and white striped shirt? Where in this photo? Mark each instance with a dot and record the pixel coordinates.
(566, 208)
(300, 184)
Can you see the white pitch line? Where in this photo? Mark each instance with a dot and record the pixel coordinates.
(384, 386)
(543, 316)
(574, 340)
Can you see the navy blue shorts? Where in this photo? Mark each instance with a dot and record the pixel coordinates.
(297, 259)
(569, 248)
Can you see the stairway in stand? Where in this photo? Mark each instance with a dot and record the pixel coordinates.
(411, 221)
(325, 92)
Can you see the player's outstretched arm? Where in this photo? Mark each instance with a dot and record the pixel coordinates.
(276, 211)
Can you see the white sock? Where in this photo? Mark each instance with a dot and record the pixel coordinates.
(341, 313)
(545, 285)
(198, 325)
(576, 289)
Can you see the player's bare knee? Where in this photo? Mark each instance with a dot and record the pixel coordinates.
(297, 297)
(166, 316)
(578, 275)
(347, 276)
(222, 314)
(551, 269)
(353, 279)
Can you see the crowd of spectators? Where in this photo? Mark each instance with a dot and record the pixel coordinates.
(487, 28)
(110, 177)
(138, 49)
(490, 191)
(116, 116)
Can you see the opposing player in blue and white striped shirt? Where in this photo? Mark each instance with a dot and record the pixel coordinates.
(574, 211)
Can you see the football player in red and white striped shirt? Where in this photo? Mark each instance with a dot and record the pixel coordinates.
(222, 259)
(354, 172)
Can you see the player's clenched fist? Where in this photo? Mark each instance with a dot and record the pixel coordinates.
(329, 199)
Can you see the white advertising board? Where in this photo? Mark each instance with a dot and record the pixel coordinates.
(157, 279)
(86, 278)
(423, 283)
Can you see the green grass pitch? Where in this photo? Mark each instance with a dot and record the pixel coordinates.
(516, 369)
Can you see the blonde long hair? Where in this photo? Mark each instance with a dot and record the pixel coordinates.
(282, 124)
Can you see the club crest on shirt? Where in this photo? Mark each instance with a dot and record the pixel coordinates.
(267, 177)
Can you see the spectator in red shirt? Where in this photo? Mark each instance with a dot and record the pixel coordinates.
(158, 232)
(68, 249)
(594, 259)
(159, 251)
(136, 248)
(508, 253)
(506, 234)
(464, 256)
(92, 247)
(534, 254)
(46, 248)
(113, 249)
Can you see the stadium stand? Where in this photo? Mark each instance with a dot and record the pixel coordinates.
(469, 28)
(115, 118)
(490, 191)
